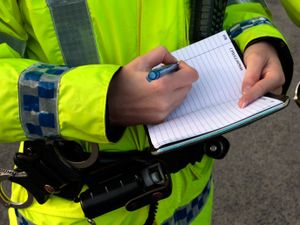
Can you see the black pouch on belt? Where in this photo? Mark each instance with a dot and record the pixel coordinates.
(47, 173)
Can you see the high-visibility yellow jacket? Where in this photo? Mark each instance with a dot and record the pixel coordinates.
(122, 30)
(292, 7)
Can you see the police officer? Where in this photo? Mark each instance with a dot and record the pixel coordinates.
(75, 69)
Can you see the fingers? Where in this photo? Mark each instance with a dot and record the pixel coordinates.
(185, 76)
(179, 95)
(172, 89)
(250, 88)
(186, 73)
(157, 56)
(259, 89)
(254, 66)
(264, 73)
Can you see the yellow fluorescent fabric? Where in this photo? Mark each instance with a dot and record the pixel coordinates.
(123, 30)
(7, 9)
(8, 52)
(126, 29)
(83, 94)
(187, 184)
(42, 43)
(119, 41)
(10, 127)
(237, 13)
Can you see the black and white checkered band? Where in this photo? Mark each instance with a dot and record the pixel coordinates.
(237, 29)
(186, 214)
(38, 88)
(21, 220)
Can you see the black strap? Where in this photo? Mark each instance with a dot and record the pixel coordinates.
(177, 159)
(152, 213)
(174, 160)
(132, 179)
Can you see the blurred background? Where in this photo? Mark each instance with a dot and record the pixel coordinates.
(258, 183)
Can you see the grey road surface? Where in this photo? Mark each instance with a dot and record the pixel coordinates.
(258, 183)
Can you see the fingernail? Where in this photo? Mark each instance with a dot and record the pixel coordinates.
(242, 104)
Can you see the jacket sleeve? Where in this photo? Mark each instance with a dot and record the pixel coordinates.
(250, 21)
(41, 100)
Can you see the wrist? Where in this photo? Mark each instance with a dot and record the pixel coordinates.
(114, 130)
(283, 54)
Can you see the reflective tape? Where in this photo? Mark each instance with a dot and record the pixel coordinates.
(231, 2)
(186, 214)
(38, 90)
(237, 29)
(21, 220)
(13, 42)
(73, 28)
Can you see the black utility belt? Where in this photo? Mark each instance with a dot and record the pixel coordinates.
(132, 179)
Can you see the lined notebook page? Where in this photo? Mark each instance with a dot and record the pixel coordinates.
(212, 102)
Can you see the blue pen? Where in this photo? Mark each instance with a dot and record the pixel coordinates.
(161, 71)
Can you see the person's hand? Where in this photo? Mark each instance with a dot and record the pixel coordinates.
(133, 100)
(264, 73)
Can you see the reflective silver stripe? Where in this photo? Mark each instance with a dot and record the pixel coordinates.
(21, 220)
(38, 90)
(237, 29)
(230, 2)
(186, 214)
(74, 31)
(13, 42)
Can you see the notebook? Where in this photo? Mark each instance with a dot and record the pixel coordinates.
(210, 108)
